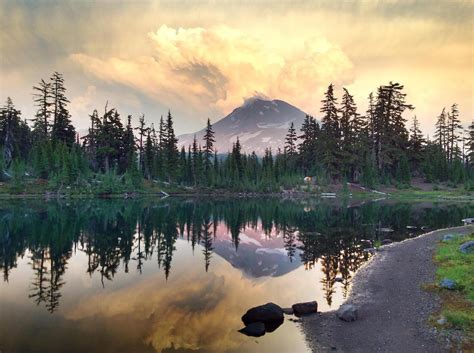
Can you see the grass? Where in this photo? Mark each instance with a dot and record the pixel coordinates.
(457, 306)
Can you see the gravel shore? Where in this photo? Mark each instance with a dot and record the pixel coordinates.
(393, 307)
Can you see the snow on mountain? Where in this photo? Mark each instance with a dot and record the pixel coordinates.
(258, 124)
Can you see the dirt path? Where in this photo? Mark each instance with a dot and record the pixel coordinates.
(393, 308)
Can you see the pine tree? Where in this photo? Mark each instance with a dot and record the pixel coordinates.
(129, 159)
(170, 148)
(142, 133)
(15, 141)
(290, 145)
(209, 140)
(391, 135)
(42, 98)
(416, 146)
(470, 145)
(352, 144)
(453, 125)
(331, 133)
(441, 130)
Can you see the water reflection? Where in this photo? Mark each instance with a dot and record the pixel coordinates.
(177, 275)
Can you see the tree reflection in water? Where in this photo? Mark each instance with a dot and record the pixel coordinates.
(118, 233)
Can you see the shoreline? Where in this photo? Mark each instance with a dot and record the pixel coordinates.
(393, 307)
(402, 195)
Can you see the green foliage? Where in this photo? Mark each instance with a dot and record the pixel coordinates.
(458, 307)
(18, 171)
(456, 265)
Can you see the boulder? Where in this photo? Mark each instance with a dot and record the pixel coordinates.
(305, 308)
(448, 237)
(255, 329)
(347, 312)
(447, 283)
(269, 313)
(467, 247)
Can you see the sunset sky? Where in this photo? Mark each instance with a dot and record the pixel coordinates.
(202, 59)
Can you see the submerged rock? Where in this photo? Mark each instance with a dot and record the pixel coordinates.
(347, 312)
(467, 247)
(447, 283)
(305, 308)
(269, 313)
(255, 329)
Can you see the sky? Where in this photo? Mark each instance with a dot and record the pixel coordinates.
(202, 59)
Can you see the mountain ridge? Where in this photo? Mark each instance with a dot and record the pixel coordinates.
(259, 124)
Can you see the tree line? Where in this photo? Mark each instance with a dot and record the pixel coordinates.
(371, 148)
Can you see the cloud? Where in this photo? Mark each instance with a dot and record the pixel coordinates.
(218, 67)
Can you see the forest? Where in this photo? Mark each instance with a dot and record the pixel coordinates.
(341, 145)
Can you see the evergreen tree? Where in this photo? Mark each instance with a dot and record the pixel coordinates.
(416, 146)
(42, 98)
(170, 149)
(62, 129)
(331, 133)
(15, 139)
(453, 125)
(209, 140)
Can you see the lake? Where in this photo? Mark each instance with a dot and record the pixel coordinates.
(176, 275)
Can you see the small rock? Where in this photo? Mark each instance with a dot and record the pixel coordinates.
(338, 279)
(467, 247)
(370, 250)
(385, 230)
(305, 308)
(412, 227)
(442, 321)
(268, 313)
(387, 241)
(447, 284)
(288, 311)
(255, 329)
(347, 312)
(448, 237)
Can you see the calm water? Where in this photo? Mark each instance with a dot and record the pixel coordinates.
(176, 275)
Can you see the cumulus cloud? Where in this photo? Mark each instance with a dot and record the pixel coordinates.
(218, 67)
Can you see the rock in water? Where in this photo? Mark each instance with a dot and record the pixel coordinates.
(269, 313)
(305, 308)
(255, 329)
(288, 311)
(447, 284)
(467, 247)
(347, 312)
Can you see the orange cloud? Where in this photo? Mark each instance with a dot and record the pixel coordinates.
(217, 67)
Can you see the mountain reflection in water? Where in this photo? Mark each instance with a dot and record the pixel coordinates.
(177, 275)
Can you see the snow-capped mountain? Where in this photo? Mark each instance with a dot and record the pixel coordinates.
(258, 124)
